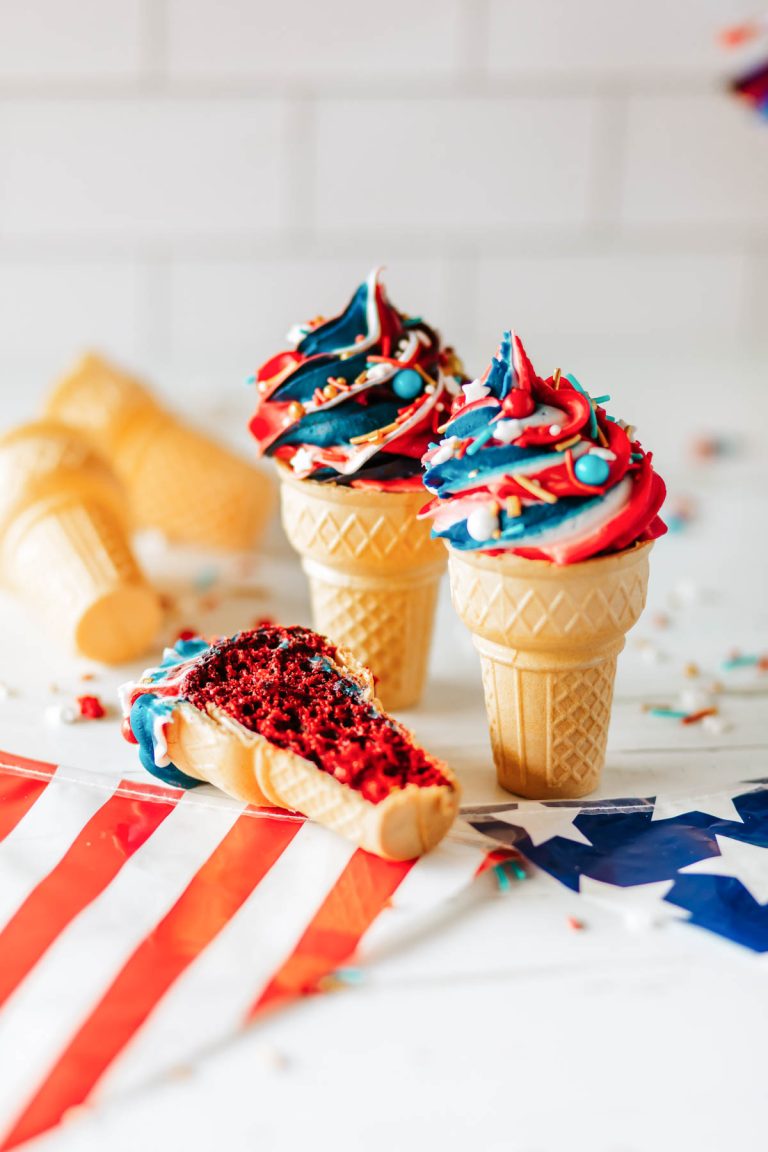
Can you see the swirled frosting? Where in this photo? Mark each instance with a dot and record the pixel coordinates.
(538, 467)
(359, 397)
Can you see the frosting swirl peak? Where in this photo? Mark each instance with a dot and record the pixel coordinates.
(359, 396)
(537, 467)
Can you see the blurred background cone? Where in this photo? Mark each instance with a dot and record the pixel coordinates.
(64, 544)
(179, 481)
(548, 638)
(373, 572)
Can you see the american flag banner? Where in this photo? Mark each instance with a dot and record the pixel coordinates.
(140, 924)
(701, 859)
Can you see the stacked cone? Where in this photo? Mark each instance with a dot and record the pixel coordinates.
(64, 544)
(178, 480)
(548, 639)
(373, 572)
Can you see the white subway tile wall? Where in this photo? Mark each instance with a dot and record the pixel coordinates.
(181, 180)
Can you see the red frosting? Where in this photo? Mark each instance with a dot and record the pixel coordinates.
(276, 681)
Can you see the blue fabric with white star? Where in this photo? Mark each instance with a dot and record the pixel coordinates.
(627, 848)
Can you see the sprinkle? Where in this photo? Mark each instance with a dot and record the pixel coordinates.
(475, 472)
(660, 620)
(715, 725)
(691, 671)
(250, 379)
(513, 506)
(535, 489)
(556, 379)
(87, 675)
(502, 879)
(602, 437)
(555, 429)
(479, 440)
(185, 634)
(564, 444)
(668, 713)
(739, 661)
(694, 717)
(575, 924)
(56, 714)
(91, 708)
(295, 410)
(600, 399)
(636, 457)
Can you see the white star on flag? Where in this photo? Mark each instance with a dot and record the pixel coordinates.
(542, 823)
(747, 863)
(718, 804)
(640, 905)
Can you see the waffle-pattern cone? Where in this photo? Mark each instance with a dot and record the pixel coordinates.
(373, 572)
(64, 547)
(548, 639)
(179, 480)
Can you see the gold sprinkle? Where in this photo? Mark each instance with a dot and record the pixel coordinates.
(691, 671)
(535, 489)
(602, 437)
(513, 506)
(556, 379)
(330, 391)
(295, 410)
(565, 444)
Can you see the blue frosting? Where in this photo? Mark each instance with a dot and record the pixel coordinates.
(342, 330)
(148, 708)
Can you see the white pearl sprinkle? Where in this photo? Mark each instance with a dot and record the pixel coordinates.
(483, 522)
(555, 429)
(56, 714)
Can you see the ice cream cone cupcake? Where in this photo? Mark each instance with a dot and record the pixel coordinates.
(64, 545)
(549, 509)
(179, 480)
(347, 414)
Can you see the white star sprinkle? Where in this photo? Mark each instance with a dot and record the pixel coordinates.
(475, 390)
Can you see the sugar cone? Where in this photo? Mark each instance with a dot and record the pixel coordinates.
(64, 545)
(373, 574)
(548, 639)
(179, 480)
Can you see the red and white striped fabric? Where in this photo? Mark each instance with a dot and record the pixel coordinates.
(138, 924)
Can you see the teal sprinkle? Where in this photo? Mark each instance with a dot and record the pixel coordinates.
(501, 878)
(600, 399)
(611, 418)
(670, 713)
(250, 379)
(741, 662)
(518, 870)
(349, 975)
(636, 457)
(592, 417)
(478, 442)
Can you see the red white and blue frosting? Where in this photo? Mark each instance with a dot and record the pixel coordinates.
(538, 468)
(358, 398)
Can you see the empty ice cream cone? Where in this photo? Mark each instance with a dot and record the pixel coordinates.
(64, 545)
(373, 574)
(178, 479)
(548, 638)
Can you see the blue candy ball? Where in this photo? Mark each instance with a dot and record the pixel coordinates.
(407, 384)
(591, 469)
